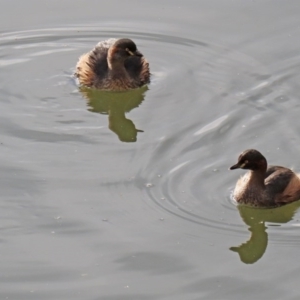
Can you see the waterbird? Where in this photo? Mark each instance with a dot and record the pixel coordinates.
(263, 185)
(113, 65)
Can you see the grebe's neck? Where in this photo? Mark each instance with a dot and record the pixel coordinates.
(117, 70)
(257, 177)
(115, 65)
(115, 61)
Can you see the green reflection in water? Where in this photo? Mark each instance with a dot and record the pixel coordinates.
(252, 250)
(115, 105)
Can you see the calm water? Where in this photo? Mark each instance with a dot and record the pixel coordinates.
(127, 196)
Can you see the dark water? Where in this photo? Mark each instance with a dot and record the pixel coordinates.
(109, 196)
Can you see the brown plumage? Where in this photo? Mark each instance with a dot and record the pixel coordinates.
(264, 186)
(113, 65)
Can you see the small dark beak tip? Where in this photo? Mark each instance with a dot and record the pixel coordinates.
(234, 167)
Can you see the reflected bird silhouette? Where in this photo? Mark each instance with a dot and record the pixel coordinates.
(116, 105)
(252, 250)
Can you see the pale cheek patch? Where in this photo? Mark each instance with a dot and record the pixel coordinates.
(244, 164)
(130, 52)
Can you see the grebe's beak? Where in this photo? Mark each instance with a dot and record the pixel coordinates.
(236, 166)
(239, 165)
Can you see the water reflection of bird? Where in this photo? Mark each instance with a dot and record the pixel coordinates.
(252, 250)
(113, 65)
(264, 186)
(116, 105)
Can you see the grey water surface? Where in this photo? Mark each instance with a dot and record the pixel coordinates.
(128, 196)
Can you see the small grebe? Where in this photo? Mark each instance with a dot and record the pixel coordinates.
(264, 186)
(113, 65)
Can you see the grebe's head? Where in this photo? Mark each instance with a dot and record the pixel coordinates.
(250, 159)
(122, 49)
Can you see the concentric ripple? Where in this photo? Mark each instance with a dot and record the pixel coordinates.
(195, 189)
